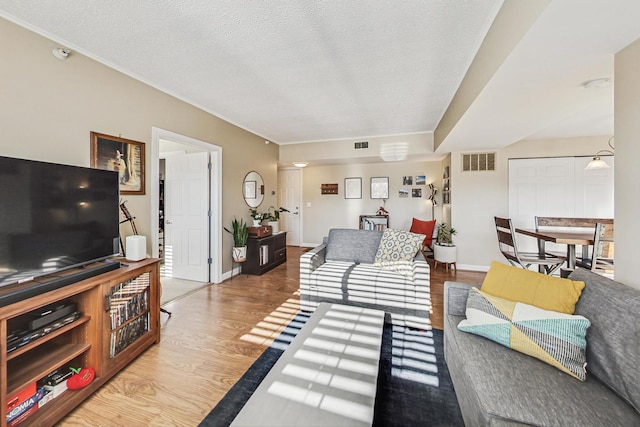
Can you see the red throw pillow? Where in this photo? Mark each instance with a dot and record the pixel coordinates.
(424, 227)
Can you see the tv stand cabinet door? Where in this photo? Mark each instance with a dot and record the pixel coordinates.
(131, 318)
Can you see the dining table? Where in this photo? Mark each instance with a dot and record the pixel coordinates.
(569, 238)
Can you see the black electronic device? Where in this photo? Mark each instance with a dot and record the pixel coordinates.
(53, 217)
(50, 313)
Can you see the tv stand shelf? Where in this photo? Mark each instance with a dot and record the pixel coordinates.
(84, 342)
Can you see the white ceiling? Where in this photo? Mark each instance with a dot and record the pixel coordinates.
(324, 70)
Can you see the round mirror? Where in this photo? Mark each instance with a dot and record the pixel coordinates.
(253, 189)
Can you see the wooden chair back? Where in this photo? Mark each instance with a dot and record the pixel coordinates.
(548, 221)
(506, 238)
(603, 248)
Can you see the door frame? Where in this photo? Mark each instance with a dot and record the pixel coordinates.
(299, 201)
(215, 196)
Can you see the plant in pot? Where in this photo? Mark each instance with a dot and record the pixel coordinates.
(445, 235)
(444, 251)
(257, 216)
(274, 217)
(240, 235)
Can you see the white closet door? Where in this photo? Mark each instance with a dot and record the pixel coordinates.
(558, 186)
(594, 189)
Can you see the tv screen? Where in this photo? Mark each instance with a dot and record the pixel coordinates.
(54, 217)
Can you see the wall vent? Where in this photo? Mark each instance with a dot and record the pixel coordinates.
(478, 162)
(361, 145)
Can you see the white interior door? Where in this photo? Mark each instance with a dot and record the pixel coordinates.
(558, 186)
(290, 197)
(187, 216)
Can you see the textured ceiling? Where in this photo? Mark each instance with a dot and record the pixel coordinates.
(290, 71)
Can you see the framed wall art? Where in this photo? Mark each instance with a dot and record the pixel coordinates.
(380, 187)
(250, 189)
(353, 188)
(123, 156)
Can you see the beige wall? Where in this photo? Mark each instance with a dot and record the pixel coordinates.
(479, 196)
(49, 107)
(627, 173)
(334, 211)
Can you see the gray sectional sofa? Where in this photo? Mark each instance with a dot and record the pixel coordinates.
(341, 270)
(497, 386)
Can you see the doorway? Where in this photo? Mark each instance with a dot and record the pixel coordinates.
(290, 197)
(211, 255)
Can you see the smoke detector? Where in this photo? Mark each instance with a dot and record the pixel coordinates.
(61, 53)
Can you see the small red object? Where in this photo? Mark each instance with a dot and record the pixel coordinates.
(82, 378)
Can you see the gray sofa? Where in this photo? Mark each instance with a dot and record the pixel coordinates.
(341, 270)
(497, 386)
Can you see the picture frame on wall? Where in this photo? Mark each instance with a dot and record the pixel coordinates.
(407, 180)
(421, 180)
(380, 187)
(416, 192)
(403, 193)
(250, 189)
(124, 156)
(353, 188)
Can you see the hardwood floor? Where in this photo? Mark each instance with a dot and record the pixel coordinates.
(213, 336)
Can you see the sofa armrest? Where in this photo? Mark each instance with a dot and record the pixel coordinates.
(310, 261)
(455, 297)
(420, 272)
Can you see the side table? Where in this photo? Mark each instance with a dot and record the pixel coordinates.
(446, 255)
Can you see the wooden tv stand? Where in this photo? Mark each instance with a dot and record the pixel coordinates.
(119, 319)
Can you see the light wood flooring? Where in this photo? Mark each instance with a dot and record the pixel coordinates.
(213, 336)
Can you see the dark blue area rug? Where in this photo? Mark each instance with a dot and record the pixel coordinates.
(414, 386)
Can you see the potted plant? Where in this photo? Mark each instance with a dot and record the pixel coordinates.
(240, 235)
(444, 251)
(445, 235)
(274, 217)
(257, 216)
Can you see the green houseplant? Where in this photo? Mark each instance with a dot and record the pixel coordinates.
(273, 216)
(240, 235)
(257, 217)
(445, 235)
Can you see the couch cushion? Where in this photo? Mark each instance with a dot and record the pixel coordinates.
(613, 353)
(424, 227)
(530, 287)
(500, 387)
(397, 250)
(353, 245)
(555, 338)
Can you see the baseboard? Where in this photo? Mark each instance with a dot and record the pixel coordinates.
(309, 245)
(228, 274)
(470, 267)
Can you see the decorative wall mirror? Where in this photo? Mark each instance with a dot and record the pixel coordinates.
(253, 189)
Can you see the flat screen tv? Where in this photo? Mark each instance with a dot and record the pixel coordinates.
(54, 217)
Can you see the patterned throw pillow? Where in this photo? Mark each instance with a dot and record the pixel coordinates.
(397, 250)
(558, 339)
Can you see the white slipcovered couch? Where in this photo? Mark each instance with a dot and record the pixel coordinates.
(342, 270)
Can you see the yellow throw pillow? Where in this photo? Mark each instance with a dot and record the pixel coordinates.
(529, 287)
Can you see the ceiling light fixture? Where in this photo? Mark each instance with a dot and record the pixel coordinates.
(61, 53)
(300, 164)
(597, 162)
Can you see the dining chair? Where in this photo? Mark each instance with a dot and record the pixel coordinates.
(507, 243)
(601, 260)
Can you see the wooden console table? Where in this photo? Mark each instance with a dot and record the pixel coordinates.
(265, 253)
